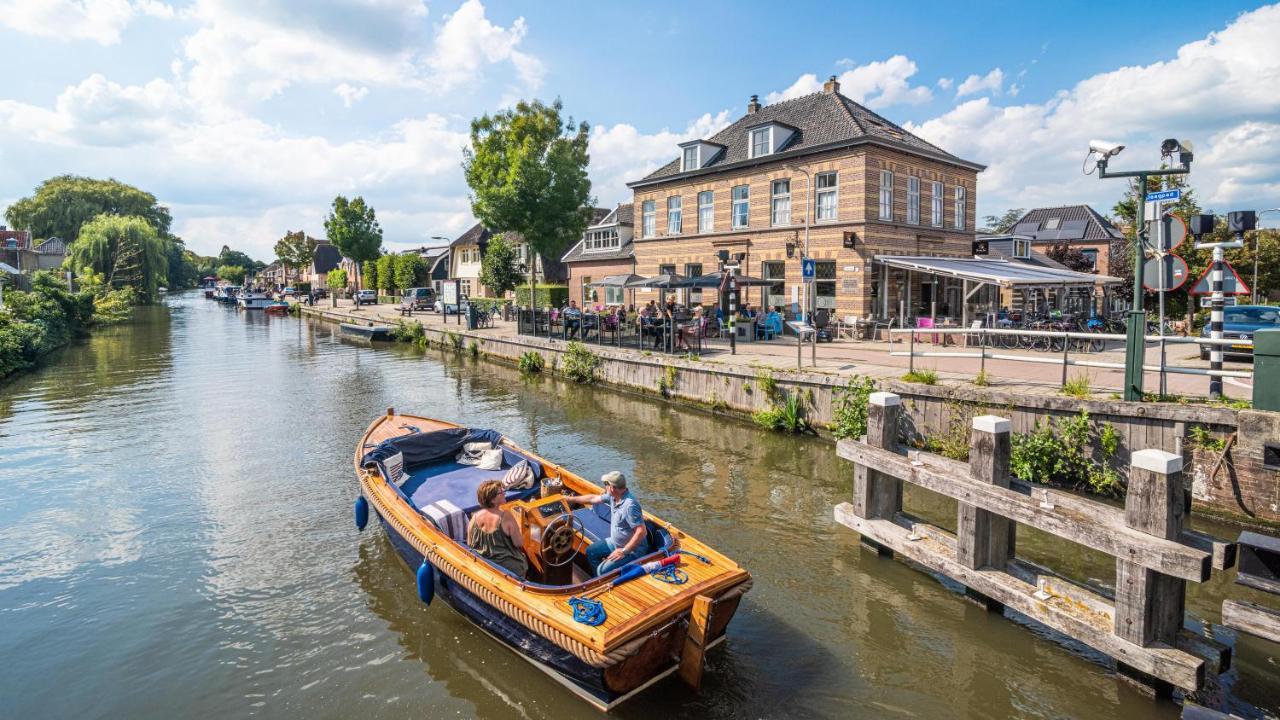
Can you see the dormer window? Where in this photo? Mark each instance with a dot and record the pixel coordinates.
(1021, 248)
(697, 154)
(760, 141)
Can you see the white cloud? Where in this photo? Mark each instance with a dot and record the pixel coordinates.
(621, 153)
(467, 41)
(992, 82)
(876, 84)
(945, 83)
(350, 94)
(98, 20)
(1217, 92)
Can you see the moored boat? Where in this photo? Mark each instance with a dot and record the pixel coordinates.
(249, 300)
(368, 332)
(606, 638)
(277, 308)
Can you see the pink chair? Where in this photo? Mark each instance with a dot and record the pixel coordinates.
(925, 322)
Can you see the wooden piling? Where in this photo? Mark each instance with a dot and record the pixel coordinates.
(983, 538)
(875, 494)
(695, 642)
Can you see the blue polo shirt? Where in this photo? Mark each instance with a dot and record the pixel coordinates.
(624, 516)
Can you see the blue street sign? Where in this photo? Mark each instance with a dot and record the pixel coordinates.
(1164, 195)
(808, 269)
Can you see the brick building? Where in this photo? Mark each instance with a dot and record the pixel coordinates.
(1079, 226)
(867, 186)
(605, 249)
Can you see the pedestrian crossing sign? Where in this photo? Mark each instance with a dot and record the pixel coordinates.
(1231, 282)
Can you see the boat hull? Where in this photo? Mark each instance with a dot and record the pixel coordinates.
(604, 688)
(368, 332)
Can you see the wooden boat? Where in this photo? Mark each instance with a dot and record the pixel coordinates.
(368, 332)
(650, 627)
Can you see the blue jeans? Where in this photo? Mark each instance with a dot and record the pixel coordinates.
(601, 549)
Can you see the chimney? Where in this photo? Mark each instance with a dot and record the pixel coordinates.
(753, 106)
(831, 86)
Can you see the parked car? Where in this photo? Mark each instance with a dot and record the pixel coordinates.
(423, 298)
(367, 297)
(288, 292)
(450, 309)
(1239, 322)
(319, 293)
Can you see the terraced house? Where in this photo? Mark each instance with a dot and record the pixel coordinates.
(861, 185)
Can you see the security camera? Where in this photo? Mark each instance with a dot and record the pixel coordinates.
(1104, 148)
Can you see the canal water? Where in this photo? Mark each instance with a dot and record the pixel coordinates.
(176, 541)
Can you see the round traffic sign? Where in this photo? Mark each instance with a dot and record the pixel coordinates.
(1164, 273)
(1177, 233)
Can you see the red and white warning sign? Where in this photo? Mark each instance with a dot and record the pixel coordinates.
(1231, 282)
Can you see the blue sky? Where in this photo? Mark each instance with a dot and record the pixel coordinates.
(248, 116)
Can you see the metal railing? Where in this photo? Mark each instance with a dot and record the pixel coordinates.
(1068, 338)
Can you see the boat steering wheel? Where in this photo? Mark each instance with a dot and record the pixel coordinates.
(558, 540)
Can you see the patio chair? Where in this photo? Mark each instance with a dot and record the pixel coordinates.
(875, 325)
(771, 328)
(847, 327)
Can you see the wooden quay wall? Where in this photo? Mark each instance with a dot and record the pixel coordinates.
(1140, 625)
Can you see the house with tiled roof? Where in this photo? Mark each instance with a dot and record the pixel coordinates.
(466, 251)
(819, 175)
(1078, 226)
(605, 250)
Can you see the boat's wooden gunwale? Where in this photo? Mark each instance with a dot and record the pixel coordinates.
(632, 609)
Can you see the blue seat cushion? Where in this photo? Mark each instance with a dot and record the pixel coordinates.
(457, 483)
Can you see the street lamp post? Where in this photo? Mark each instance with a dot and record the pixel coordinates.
(1135, 342)
(808, 191)
(1253, 296)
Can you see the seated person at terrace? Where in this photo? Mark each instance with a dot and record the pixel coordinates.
(495, 533)
(628, 537)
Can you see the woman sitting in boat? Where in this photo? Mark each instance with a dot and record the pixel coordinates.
(628, 537)
(494, 533)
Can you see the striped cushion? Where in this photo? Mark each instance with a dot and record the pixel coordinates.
(394, 468)
(519, 477)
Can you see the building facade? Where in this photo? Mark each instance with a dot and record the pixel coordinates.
(605, 250)
(1078, 226)
(866, 186)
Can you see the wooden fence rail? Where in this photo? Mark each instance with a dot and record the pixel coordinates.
(1141, 626)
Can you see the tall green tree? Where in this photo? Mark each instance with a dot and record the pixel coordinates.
(183, 271)
(233, 274)
(234, 257)
(295, 250)
(527, 170)
(1002, 224)
(61, 205)
(127, 251)
(352, 226)
(500, 266)
(369, 275)
(410, 271)
(387, 273)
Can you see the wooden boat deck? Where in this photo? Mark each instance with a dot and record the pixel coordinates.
(632, 608)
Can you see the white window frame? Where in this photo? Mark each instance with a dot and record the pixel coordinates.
(1052, 223)
(768, 142)
(706, 211)
(675, 221)
(936, 203)
(831, 191)
(601, 240)
(649, 218)
(960, 209)
(780, 202)
(685, 164)
(1092, 254)
(886, 195)
(1021, 248)
(913, 199)
(745, 202)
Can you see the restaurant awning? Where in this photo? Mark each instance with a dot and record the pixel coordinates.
(665, 280)
(1005, 273)
(712, 281)
(628, 280)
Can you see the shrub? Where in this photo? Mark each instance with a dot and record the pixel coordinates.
(982, 379)
(545, 295)
(954, 441)
(849, 411)
(1058, 452)
(410, 332)
(1205, 440)
(667, 382)
(922, 376)
(766, 383)
(579, 363)
(531, 361)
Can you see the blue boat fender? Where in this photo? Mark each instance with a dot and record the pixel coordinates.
(426, 582)
(362, 512)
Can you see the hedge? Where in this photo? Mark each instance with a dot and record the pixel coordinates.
(547, 295)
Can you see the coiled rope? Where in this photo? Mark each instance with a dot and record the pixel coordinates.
(671, 574)
(587, 611)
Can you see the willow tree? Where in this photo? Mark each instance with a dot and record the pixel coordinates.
(62, 205)
(527, 170)
(126, 250)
